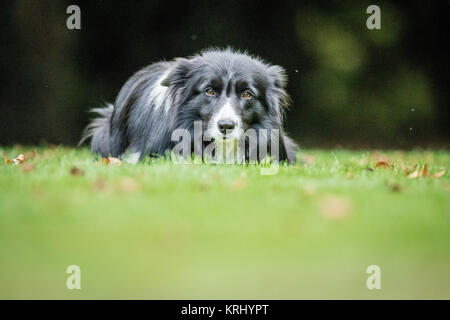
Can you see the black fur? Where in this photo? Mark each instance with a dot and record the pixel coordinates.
(141, 122)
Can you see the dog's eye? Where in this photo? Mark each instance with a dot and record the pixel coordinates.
(210, 91)
(247, 94)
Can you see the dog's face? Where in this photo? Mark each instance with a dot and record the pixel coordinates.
(229, 93)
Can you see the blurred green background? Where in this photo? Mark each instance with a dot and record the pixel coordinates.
(351, 86)
(157, 230)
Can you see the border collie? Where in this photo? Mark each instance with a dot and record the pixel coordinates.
(229, 92)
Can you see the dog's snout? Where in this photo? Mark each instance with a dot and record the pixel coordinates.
(225, 125)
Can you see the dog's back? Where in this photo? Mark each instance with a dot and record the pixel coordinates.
(148, 99)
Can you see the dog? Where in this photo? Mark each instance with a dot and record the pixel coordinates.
(228, 92)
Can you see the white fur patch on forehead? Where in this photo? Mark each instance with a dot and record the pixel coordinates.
(159, 94)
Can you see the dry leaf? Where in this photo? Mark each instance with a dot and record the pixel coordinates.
(238, 184)
(414, 175)
(115, 161)
(99, 184)
(20, 159)
(349, 175)
(27, 167)
(383, 164)
(308, 159)
(32, 154)
(379, 157)
(420, 173)
(128, 185)
(424, 172)
(111, 160)
(408, 171)
(439, 174)
(76, 171)
(395, 187)
(335, 207)
(104, 160)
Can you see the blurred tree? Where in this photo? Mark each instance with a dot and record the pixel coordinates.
(350, 85)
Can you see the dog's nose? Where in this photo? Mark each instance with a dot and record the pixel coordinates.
(225, 125)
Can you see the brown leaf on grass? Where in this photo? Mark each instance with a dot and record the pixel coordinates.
(419, 173)
(76, 171)
(384, 165)
(99, 185)
(27, 167)
(394, 187)
(414, 174)
(111, 160)
(349, 175)
(439, 174)
(104, 161)
(19, 160)
(409, 171)
(128, 185)
(238, 184)
(335, 207)
(32, 154)
(424, 172)
(379, 157)
(308, 159)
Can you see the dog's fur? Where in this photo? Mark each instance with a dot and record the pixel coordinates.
(165, 96)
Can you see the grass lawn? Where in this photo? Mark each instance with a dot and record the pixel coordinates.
(158, 230)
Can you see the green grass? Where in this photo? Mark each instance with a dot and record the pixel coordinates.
(158, 230)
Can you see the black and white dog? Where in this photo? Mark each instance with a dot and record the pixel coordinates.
(229, 92)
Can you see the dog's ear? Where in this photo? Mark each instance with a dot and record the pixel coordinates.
(278, 74)
(180, 72)
(278, 98)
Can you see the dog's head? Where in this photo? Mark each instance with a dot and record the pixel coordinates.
(229, 92)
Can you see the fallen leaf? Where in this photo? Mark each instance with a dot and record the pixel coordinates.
(238, 184)
(128, 185)
(32, 154)
(395, 187)
(420, 173)
(335, 207)
(20, 159)
(111, 160)
(27, 167)
(408, 171)
(379, 157)
(99, 184)
(308, 159)
(349, 175)
(383, 164)
(115, 161)
(76, 171)
(414, 175)
(424, 172)
(439, 174)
